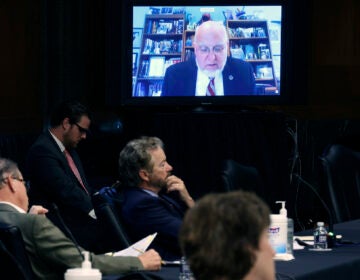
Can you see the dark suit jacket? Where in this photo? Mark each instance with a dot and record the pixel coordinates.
(144, 214)
(52, 181)
(51, 253)
(180, 78)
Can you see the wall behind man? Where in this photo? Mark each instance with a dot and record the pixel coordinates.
(21, 65)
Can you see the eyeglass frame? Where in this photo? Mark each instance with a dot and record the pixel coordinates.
(82, 129)
(22, 180)
(205, 50)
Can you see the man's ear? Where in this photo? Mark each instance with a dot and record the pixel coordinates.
(66, 123)
(144, 175)
(10, 184)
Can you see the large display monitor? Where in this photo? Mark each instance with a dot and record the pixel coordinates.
(146, 38)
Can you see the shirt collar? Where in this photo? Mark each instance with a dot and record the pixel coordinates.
(14, 206)
(150, 192)
(60, 144)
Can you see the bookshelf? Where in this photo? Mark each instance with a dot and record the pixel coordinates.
(249, 40)
(188, 49)
(161, 46)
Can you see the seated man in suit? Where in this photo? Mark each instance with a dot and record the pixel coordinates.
(211, 72)
(225, 236)
(50, 252)
(53, 179)
(153, 199)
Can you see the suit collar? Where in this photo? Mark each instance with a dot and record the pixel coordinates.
(10, 207)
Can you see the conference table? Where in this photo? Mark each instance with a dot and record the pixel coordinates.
(342, 262)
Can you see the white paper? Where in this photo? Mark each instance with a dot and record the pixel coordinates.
(137, 248)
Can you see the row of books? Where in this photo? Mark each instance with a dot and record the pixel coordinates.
(165, 26)
(250, 51)
(162, 46)
(264, 72)
(152, 88)
(156, 66)
(251, 32)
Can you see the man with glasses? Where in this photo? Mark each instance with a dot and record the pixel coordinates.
(211, 72)
(50, 252)
(57, 177)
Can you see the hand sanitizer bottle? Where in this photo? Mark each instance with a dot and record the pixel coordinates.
(83, 273)
(278, 230)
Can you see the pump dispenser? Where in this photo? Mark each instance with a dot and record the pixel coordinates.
(278, 230)
(86, 272)
(283, 210)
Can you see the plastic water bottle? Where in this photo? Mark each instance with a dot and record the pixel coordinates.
(290, 236)
(320, 236)
(185, 272)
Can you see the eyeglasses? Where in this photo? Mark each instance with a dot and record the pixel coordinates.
(82, 129)
(204, 50)
(26, 183)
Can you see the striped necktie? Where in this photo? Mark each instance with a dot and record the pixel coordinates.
(74, 169)
(210, 90)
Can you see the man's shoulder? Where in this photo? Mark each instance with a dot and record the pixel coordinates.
(237, 62)
(42, 139)
(43, 142)
(181, 66)
(136, 195)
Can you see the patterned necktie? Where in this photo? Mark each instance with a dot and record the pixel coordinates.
(74, 169)
(210, 90)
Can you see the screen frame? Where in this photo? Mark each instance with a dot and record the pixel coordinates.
(119, 53)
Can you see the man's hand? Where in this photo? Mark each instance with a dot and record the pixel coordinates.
(150, 260)
(38, 210)
(176, 184)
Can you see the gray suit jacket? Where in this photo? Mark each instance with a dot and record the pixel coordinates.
(51, 253)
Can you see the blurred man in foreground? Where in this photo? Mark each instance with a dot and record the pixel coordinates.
(225, 237)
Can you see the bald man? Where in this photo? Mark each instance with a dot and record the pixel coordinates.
(210, 72)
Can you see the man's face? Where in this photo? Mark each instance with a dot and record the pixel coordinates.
(211, 51)
(161, 169)
(264, 267)
(76, 132)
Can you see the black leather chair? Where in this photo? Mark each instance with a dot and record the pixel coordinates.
(107, 205)
(239, 176)
(341, 177)
(13, 257)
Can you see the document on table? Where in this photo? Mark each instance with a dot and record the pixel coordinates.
(137, 248)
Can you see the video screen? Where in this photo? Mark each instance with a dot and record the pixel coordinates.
(206, 51)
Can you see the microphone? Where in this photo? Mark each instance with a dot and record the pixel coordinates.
(331, 235)
(68, 232)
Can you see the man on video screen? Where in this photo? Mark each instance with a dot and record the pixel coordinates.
(210, 72)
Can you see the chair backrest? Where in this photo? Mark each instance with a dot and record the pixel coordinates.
(13, 257)
(239, 176)
(107, 206)
(341, 177)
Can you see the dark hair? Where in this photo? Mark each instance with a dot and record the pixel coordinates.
(219, 234)
(135, 156)
(71, 109)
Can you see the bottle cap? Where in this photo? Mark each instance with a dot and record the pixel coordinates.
(320, 224)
